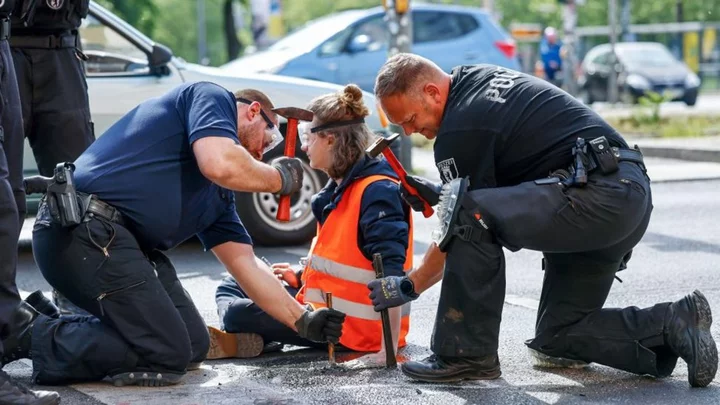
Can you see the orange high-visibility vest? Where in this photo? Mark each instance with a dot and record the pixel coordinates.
(337, 265)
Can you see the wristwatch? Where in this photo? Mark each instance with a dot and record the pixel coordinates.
(407, 287)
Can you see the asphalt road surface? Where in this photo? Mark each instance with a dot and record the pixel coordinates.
(679, 253)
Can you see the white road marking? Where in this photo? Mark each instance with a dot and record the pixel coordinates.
(525, 302)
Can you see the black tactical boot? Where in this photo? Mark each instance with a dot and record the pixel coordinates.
(542, 360)
(452, 369)
(146, 378)
(42, 304)
(17, 343)
(66, 306)
(687, 333)
(13, 393)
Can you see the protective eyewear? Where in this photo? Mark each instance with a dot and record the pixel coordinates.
(305, 130)
(272, 132)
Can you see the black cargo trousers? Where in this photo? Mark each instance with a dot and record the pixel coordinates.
(12, 195)
(54, 97)
(143, 318)
(586, 235)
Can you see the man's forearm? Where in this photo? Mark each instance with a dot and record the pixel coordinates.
(265, 291)
(430, 270)
(244, 173)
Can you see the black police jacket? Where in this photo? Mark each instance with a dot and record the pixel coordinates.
(44, 17)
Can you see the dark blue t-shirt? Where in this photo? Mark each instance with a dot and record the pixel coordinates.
(145, 167)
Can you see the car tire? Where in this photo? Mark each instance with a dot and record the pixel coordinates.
(690, 101)
(257, 211)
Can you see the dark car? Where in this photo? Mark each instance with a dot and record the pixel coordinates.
(641, 67)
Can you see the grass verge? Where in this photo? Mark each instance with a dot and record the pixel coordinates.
(668, 127)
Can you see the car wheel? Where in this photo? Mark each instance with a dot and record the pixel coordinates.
(690, 101)
(258, 211)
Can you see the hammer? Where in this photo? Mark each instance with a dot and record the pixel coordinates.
(381, 145)
(293, 116)
(390, 360)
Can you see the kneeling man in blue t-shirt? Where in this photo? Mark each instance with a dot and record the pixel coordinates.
(163, 173)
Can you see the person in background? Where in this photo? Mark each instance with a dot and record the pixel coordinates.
(550, 47)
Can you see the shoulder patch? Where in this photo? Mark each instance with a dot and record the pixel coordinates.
(448, 170)
(55, 4)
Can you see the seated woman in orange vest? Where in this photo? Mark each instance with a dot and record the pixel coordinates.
(359, 213)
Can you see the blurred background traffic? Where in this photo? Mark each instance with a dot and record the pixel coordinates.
(347, 40)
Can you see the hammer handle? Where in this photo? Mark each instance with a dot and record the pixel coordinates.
(400, 171)
(331, 346)
(283, 213)
(390, 360)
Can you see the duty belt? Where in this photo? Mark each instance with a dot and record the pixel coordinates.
(103, 210)
(4, 28)
(44, 41)
(588, 160)
(624, 155)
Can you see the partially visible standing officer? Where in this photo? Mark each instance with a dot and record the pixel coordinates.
(11, 145)
(51, 77)
(53, 91)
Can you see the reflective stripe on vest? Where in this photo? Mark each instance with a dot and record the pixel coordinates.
(338, 265)
(315, 296)
(339, 270)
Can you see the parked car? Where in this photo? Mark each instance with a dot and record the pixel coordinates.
(641, 67)
(126, 67)
(351, 46)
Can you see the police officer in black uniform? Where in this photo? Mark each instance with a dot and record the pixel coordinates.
(542, 172)
(53, 91)
(46, 52)
(11, 201)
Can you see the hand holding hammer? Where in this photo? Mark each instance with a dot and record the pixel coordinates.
(293, 115)
(381, 146)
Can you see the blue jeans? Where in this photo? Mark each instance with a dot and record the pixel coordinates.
(239, 314)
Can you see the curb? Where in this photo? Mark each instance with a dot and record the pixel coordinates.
(695, 155)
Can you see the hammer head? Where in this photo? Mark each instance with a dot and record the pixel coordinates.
(380, 144)
(299, 114)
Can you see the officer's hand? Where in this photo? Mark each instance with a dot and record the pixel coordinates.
(285, 272)
(291, 173)
(321, 325)
(428, 191)
(387, 292)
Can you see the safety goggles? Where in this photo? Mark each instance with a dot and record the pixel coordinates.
(305, 131)
(272, 133)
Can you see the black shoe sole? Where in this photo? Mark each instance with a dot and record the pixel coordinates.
(146, 379)
(702, 371)
(48, 400)
(468, 374)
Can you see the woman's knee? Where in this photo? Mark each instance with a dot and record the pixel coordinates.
(237, 314)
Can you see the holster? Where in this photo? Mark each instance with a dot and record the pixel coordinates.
(590, 156)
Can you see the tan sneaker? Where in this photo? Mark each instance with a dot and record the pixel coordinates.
(225, 345)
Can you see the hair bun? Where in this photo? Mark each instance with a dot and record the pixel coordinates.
(352, 98)
(352, 93)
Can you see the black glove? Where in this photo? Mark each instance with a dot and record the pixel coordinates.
(321, 325)
(291, 173)
(428, 191)
(391, 291)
